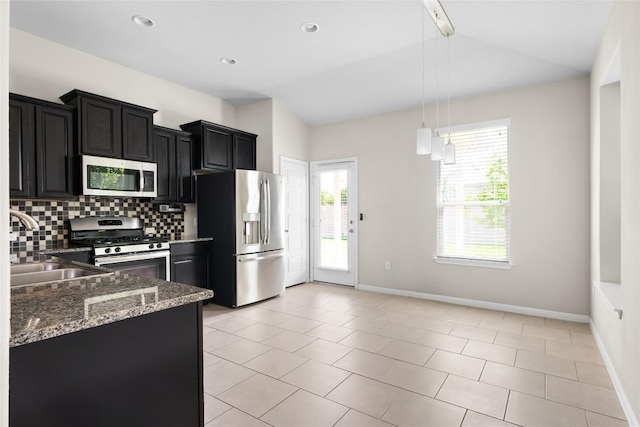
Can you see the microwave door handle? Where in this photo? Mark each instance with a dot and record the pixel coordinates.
(141, 190)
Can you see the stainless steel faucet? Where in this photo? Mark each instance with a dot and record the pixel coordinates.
(26, 220)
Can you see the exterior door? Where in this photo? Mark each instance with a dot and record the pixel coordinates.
(335, 226)
(296, 212)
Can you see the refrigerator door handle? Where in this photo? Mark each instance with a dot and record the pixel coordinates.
(263, 232)
(268, 239)
(260, 258)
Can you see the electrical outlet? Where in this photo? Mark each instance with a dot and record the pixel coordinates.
(13, 237)
(387, 265)
(13, 258)
(150, 230)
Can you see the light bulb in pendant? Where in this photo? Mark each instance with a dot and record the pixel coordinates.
(449, 153)
(437, 147)
(423, 140)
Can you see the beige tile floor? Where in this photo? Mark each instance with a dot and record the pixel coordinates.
(325, 355)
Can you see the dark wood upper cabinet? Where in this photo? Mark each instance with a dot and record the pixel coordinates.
(54, 152)
(165, 157)
(174, 165)
(244, 151)
(184, 169)
(22, 172)
(40, 148)
(216, 148)
(137, 127)
(221, 148)
(100, 128)
(111, 128)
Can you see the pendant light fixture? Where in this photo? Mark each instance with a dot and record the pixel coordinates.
(426, 143)
(449, 151)
(437, 143)
(423, 134)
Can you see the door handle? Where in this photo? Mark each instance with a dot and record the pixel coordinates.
(351, 230)
(260, 258)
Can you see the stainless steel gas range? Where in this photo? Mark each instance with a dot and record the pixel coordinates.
(119, 243)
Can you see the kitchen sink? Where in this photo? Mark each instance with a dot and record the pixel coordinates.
(34, 267)
(42, 272)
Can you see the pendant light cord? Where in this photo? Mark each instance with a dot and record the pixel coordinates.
(449, 88)
(437, 87)
(422, 38)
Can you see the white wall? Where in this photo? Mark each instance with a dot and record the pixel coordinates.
(5, 310)
(280, 133)
(47, 70)
(549, 181)
(258, 118)
(610, 183)
(290, 136)
(620, 337)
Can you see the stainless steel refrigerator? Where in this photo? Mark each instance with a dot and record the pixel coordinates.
(243, 211)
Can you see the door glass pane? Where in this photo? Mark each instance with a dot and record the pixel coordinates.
(333, 220)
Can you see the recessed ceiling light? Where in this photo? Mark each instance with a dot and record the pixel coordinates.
(228, 61)
(309, 27)
(142, 21)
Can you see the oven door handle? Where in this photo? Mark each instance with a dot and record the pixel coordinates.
(126, 258)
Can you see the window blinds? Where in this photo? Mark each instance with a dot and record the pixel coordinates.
(473, 194)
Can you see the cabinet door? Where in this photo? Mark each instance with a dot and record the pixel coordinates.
(165, 154)
(244, 151)
(100, 128)
(137, 129)
(191, 270)
(21, 149)
(54, 152)
(216, 149)
(184, 170)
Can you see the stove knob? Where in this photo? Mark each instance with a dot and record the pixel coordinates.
(117, 249)
(158, 245)
(150, 245)
(107, 251)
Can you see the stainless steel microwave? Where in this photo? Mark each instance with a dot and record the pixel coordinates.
(103, 176)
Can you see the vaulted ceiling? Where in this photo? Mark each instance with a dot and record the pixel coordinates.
(364, 60)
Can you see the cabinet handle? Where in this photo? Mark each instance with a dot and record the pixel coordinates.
(186, 261)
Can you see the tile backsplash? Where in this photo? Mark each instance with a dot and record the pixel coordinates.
(52, 215)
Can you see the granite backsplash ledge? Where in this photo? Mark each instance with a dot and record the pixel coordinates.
(52, 215)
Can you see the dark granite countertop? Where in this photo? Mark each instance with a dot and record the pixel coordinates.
(191, 239)
(49, 310)
(62, 249)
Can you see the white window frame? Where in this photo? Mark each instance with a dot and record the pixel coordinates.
(476, 262)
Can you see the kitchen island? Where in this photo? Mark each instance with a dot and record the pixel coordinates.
(113, 350)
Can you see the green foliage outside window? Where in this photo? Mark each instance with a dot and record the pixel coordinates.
(496, 190)
(327, 199)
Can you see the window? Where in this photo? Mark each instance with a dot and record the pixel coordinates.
(473, 196)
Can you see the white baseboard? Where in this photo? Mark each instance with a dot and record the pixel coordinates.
(617, 385)
(480, 304)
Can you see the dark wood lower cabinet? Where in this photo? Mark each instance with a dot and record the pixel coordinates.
(144, 371)
(190, 263)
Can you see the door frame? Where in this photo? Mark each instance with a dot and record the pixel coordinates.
(354, 189)
(306, 203)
